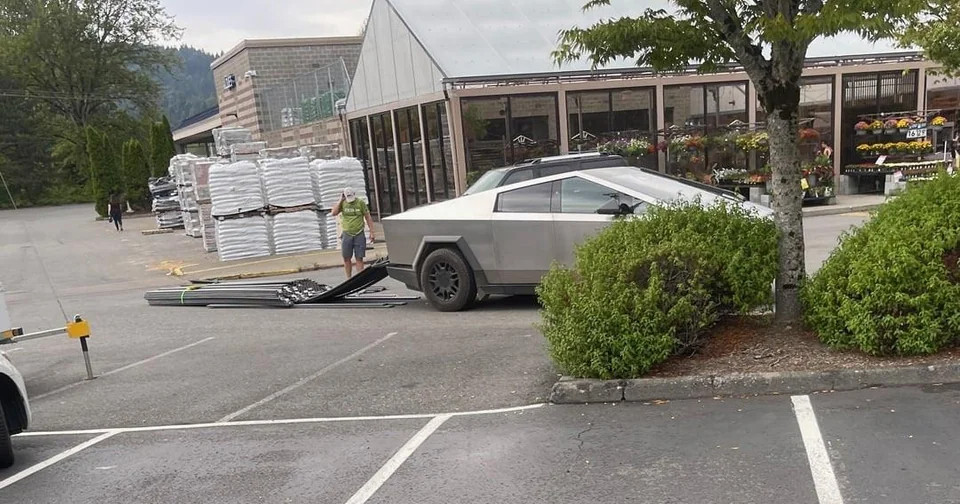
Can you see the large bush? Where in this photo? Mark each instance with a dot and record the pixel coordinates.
(892, 287)
(645, 288)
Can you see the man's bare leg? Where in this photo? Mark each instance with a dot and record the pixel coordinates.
(348, 267)
(360, 265)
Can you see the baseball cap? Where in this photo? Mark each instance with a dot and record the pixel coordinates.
(349, 194)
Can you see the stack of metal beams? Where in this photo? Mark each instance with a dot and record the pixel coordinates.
(266, 293)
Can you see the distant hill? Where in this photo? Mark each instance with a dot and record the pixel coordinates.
(189, 90)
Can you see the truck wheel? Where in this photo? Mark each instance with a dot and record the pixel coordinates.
(447, 280)
(6, 444)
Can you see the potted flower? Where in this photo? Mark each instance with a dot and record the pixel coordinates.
(694, 143)
(861, 127)
(938, 122)
(876, 127)
(809, 134)
(890, 126)
(890, 148)
(904, 124)
(903, 148)
(878, 149)
(865, 150)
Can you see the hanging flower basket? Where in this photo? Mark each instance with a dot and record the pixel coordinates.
(876, 127)
(890, 127)
(904, 124)
(861, 127)
(938, 122)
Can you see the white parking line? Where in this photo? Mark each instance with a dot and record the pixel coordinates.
(287, 421)
(303, 381)
(824, 480)
(123, 368)
(393, 463)
(56, 458)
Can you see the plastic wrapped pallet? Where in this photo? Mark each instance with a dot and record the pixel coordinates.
(201, 180)
(225, 138)
(330, 177)
(241, 238)
(169, 203)
(162, 185)
(320, 151)
(169, 219)
(208, 228)
(191, 223)
(235, 188)
(247, 148)
(295, 232)
(287, 182)
(279, 152)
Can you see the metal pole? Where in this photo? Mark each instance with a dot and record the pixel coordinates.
(5, 186)
(86, 357)
(333, 99)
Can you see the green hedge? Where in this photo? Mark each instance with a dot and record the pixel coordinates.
(643, 289)
(892, 287)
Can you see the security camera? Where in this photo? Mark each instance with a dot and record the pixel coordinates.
(249, 74)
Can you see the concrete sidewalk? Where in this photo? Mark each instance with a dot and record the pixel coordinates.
(847, 204)
(275, 265)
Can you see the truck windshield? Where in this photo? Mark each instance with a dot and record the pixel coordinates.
(487, 181)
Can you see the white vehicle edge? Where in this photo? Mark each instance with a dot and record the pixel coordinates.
(14, 408)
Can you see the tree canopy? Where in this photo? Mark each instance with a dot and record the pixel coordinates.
(769, 40)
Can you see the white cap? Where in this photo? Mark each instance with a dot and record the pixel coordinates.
(349, 194)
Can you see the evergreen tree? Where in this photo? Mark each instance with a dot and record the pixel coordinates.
(161, 147)
(105, 172)
(136, 172)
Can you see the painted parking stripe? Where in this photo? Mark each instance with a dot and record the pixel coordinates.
(825, 481)
(303, 381)
(123, 368)
(288, 421)
(56, 458)
(380, 477)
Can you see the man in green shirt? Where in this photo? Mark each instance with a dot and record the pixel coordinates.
(353, 244)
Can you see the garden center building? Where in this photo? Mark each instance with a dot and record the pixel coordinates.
(447, 89)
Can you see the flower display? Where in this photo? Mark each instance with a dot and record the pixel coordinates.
(938, 121)
(904, 123)
(864, 149)
(861, 126)
(876, 125)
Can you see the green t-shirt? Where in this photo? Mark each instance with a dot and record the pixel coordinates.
(352, 216)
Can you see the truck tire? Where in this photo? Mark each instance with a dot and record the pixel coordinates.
(447, 280)
(6, 444)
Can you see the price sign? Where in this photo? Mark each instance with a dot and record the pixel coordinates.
(916, 133)
(881, 160)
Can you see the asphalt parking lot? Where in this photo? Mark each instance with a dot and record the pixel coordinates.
(399, 405)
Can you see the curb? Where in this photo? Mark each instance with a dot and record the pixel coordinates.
(581, 391)
(839, 210)
(272, 273)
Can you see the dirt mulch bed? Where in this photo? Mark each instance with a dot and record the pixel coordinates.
(754, 344)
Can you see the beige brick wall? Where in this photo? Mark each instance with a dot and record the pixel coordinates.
(275, 66)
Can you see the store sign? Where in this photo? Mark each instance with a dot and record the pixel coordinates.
(918, 130)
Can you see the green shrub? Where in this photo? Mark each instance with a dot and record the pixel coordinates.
(643, 289)
(892, 286)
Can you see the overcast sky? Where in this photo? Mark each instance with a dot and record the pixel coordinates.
(218, 25)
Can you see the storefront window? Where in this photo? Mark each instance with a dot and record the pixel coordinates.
(383, 161)
(596, 118)
(815, 115)
(440, 169)
(693, 113)
(504, 130)
(943, 94)
(360, 146)
(872, 94)
(413, 183)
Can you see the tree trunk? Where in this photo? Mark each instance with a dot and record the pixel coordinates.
(788, 211)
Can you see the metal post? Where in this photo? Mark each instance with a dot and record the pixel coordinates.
(86, 357)
(333, 99)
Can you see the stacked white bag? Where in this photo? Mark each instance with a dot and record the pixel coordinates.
(287, 182)
(330, 177)
(235, 188)
(242, 238)
(295, 232)
(208, 228)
